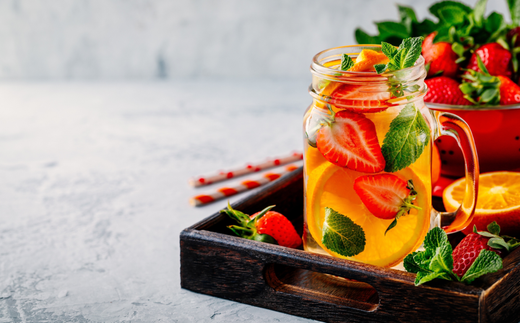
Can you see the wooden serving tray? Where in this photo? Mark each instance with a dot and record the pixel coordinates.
(215, 262)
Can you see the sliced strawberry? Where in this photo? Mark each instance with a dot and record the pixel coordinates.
(440, 56)
(359, 98)
(349, 139)
(496, 59)
(386, 196)
(444, 90)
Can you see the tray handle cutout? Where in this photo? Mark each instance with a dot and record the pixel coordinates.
(322, 287)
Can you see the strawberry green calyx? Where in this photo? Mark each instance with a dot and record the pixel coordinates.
(406, 206)
(481, 88)
(246, 227)
(496, 241)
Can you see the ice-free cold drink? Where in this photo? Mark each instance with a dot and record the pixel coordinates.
(367, 163)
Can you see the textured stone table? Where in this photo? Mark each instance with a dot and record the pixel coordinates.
(94, 193)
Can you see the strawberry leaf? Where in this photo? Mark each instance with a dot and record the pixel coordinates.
(342, 235)
(494, 228)
(265, 238)
(486, 262)
(409, 134)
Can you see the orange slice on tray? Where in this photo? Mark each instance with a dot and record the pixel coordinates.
(498, 200)
(332, 186)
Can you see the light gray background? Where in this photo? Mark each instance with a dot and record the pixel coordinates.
(107, 107)
(149, 39)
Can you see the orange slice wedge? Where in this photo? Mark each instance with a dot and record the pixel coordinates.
(332, 186)
(498, 200)
(367, 59)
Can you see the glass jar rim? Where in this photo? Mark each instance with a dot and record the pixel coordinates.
(318, 60)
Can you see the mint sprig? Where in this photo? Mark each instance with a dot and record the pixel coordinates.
(404, 56)
(394, 32)
(409, 134)
(346, 62)
(436, 261)
(341, 235)
(456, 24)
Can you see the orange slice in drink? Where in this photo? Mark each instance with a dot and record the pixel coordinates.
(367, 59)
(498, 200)
(332, 186)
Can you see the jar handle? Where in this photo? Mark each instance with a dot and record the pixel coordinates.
(455, 127)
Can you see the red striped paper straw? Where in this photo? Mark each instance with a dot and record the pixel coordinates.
(249, 168)
(243, 186)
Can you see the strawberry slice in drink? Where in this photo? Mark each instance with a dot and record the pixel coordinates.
(359, 98)
(349, 139)
(386, 196)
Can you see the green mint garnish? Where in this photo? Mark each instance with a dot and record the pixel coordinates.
(436, 261)
(346, 62)
(514, 9)
(404, 56)
(405, 141)
(486, 262)
(341, 235)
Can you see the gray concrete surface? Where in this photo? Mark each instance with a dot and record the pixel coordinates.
(94, 192)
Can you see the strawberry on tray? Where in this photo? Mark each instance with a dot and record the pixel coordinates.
(453, 47)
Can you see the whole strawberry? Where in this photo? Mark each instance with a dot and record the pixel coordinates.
(509, 91)
(440, 56)
(444, 90)
(483, 88)
(496, 58)
(470, 247)
(266, 226)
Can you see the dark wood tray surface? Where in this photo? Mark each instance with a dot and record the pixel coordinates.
(324, 288)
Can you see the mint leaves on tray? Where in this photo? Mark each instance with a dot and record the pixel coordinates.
(437, 261)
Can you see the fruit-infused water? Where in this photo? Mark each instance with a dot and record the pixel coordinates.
(367, 170)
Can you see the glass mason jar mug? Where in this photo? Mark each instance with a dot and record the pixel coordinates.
(367, 162)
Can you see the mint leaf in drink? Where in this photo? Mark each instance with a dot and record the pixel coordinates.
(346, 62)
(409, 134)
(404, 56)
(342, 235)
(486, 262)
